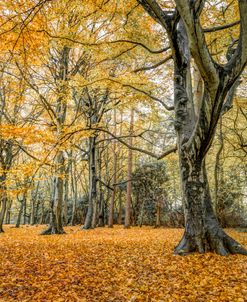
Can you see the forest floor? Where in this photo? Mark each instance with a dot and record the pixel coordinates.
(114, 265)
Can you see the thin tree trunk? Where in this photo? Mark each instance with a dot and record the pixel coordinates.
(18, 222)
(41, 221)
(92, 184)
(3, 200)
(101, 202)
(36, 214)
(129, 184)
(74, 190)
(112, 203)
(25, 211)
(158, 212)
(8, 212)
(120, 211)
(217, 168)
(2, 212)
(66, 190)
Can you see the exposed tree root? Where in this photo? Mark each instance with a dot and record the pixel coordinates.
(212, 241)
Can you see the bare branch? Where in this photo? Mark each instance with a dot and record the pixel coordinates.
(221, 27)
(155, 65)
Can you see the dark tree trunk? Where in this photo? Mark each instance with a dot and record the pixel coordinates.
(8, 212)
(32, 211)
(101, 222)
(25, 211)
(36, 214)
(2, 213)
(202, 230)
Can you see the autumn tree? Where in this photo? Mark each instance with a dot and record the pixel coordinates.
(197, 117)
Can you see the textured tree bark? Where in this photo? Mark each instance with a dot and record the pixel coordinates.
(202, 230)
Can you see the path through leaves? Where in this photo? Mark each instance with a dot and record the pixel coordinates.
(114, 265)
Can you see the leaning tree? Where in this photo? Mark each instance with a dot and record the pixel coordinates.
(196, 116)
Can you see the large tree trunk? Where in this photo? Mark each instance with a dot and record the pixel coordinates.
(56, 215)
(56, 219)
(202, 230)
(92, 184)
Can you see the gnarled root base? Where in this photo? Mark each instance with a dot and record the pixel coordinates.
(212, 241)
(1, 230)
(52, 231)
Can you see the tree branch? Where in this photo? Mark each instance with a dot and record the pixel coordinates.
(239, 59)
(155, 65)
(220, 27)
(199, 49)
